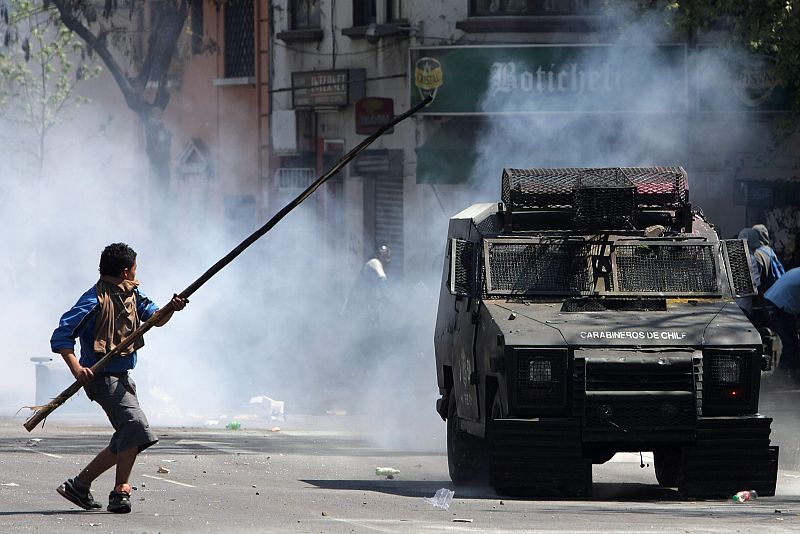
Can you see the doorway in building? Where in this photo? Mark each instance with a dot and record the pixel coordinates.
(383, 205)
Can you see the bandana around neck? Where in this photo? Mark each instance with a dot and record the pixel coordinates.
(117, 316)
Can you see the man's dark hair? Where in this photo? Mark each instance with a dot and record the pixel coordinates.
(115, 258)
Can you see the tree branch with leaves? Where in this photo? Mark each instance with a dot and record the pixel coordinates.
(42, 63)
(770, 28)
(141, 59)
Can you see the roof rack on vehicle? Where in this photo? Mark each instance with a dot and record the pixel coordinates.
(598, 198)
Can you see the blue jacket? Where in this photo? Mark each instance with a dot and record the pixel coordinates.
(785, 293)
(770, 266)
(79, 322)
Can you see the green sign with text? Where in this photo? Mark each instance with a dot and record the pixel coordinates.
(738, 82)
(471, 80)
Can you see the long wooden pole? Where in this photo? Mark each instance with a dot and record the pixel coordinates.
(43, 411)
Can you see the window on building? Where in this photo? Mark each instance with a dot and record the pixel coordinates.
(197, 26)
(394, 10)
(364, 12)
(499, 8)
(305, 14)
(239, 39)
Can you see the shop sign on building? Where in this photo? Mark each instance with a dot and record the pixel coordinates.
(477, 80)
(728, 81)
(327, 88)
(372, 113)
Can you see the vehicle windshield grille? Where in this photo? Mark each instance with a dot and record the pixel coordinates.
(538, 268)
(666, 268)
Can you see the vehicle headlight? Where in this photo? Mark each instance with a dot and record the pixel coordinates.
(540, 381)
(726, 369)
(730, 381)
(540, 371)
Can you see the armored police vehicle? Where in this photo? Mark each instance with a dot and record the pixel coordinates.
(592, 312)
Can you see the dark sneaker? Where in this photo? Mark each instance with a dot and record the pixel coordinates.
(119, 502)
(81, 497)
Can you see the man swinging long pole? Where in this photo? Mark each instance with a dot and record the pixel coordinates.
(43, 411)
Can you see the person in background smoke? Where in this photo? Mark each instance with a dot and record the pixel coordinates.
(784, 297)
(364, 319)
(375, 274)
(375, 268)
(370, 292)
(103, 316)
(769, 266)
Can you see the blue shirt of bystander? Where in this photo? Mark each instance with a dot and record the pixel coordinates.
(785, 292)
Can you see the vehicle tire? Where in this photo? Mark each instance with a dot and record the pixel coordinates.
(667, 463)
(464, 451)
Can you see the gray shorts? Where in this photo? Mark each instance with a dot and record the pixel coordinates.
(117, 396)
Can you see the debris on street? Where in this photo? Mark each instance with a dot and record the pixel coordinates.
(163, 470)
(388, 472)
(273, 408)
(441, 499)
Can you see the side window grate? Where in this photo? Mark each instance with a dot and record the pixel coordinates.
(463, 273)
(738, 262)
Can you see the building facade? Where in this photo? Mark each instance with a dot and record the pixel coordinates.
(294, 84)
(515, 83)
(218, 117)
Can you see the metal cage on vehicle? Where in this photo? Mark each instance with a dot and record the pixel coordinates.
(603, 198)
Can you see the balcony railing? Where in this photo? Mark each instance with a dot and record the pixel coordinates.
(534, 8)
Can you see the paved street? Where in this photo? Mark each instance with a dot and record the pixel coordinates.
(317, 474)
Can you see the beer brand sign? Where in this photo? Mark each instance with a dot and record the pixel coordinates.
(372, 113)
(428, 76)
(468, 80)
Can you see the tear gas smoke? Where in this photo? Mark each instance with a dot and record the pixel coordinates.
(270, 323)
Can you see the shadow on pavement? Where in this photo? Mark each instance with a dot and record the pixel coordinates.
(404, 488)
(601, 491)
(52, 512)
